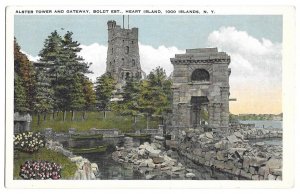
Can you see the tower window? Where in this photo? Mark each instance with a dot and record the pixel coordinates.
(112, 50)
(133, 62)
(122, 61)
(131, 42)
(126, 49)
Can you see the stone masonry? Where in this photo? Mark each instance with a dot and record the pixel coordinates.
(201, 81)
(123, 59)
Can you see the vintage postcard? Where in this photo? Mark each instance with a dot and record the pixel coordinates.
(176, 97)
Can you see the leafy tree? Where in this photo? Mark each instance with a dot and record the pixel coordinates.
(105, 85)
(26, 75)
(77, 98)
(44, 93)
(129, 104)
(89, 95)
(20, 102)
(155, 94)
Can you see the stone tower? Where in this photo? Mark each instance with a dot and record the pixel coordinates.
(123, 59)
(201, 83)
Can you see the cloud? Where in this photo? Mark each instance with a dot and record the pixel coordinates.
(150, 58)
(251, 59)
(30, 57)
(255, 64)
(95, 54)
(153, 57)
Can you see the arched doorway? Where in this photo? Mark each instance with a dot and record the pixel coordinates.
(199, 111)
(200, 75)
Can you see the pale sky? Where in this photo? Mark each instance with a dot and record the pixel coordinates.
(253, 42)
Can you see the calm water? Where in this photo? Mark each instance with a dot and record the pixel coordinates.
(269, 124)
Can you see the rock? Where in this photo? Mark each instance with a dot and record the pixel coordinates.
(271, 177)
(255, 177)
(183, 133)
(149, 176)
(158, 160)
(238, 135)
(220, 155)
(189, 170)
(160, 138)
(190, 175)
(232, 139)
(274, 163)
(176, 168)
(209, 135)
(141, 152)
(76, 159)
(94, 167)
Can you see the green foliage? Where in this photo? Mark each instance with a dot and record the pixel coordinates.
(129, 104)
(155, 93)
(105, 85)
(68, 168)
(89, 94)
(20, 102)
(24, 81)
(77, 100)
(43, 101)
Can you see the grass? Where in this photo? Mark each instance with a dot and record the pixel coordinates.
(68, 168)
(93, 120)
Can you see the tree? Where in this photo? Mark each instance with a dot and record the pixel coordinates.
(20, 101)
(24, 69)
(155, 94)
(66, 69)
(129, 104)
(105, 85)
(44, 93)
(89, 95)
(77, 99)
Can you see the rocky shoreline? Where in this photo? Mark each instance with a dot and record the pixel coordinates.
(151, 160)
(232, 154)
(85, 169)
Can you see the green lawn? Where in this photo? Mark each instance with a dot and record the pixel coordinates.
(93, 120)
(68, 167)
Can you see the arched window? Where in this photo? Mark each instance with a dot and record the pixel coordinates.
(133, 62)
(127, 49)
(200, 75)
(112, 50)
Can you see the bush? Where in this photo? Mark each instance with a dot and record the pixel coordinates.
(40, 170)
(29, 141)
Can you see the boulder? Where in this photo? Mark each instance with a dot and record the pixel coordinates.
(158, 160)
(274, 163)
(190, 175)
(209, 135)
(160, 138)
(232, 139)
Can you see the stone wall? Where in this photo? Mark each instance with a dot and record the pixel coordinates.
(231, 154)
(85, 169)
(22, 122)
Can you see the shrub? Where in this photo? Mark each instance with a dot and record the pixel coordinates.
(40, 170)
(29, 141)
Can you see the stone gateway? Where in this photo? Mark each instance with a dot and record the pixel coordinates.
(201, 86)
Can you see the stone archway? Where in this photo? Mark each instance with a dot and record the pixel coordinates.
(198, 108)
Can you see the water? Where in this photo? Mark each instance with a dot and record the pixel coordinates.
(269, 124)
(111, 170)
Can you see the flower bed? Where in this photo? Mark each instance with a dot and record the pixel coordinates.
(40, 170)
(29, 141)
